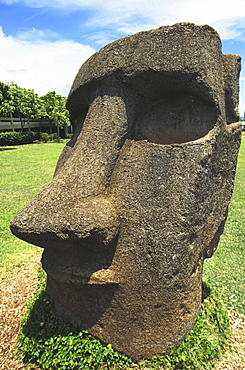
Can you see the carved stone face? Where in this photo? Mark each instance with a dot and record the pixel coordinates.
(141, 192)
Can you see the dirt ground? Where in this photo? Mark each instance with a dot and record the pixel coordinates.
(18, 288)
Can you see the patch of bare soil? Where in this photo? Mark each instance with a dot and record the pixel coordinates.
(15, 291)
(234, 356)
(20, 285)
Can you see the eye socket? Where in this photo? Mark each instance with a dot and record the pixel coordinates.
(68, 149)
(77, 125)
(176, 119)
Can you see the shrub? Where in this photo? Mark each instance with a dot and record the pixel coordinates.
(54, 136)
(50, 342)
(44, 136)
(17, 138)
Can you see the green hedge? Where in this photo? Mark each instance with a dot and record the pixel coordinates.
(17, 138)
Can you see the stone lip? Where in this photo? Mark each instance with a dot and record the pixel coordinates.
(81, 265)
(97, 278)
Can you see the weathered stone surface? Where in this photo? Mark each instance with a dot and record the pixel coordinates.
(140, 194)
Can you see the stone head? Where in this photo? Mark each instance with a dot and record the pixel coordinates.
(140, 193)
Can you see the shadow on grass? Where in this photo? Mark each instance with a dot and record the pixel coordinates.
(43, 322)
(206, 290)
(50, 341)
(6, 148)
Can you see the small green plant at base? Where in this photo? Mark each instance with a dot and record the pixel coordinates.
(51, 342)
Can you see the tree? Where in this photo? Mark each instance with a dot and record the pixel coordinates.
(23, 102)
(7, 106)
(15, 94)
(28, 106)
(4, 99)
(54, 109)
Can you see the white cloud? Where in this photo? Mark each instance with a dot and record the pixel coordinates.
(134, 15)
(33, 35)
(41, 64)
(99, 38)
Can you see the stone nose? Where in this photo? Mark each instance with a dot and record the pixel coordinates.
(91, 223)
(76, 208)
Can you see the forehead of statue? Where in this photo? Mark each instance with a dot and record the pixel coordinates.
(152, 63)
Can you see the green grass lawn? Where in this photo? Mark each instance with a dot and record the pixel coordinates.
(26, 169)
(226, 269)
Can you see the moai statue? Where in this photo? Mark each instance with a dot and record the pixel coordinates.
(140, 194)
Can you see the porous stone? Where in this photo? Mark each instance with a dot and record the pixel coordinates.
(141, 192)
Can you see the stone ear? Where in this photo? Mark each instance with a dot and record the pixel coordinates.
(232, 67)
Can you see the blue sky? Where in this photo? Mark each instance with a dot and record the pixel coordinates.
(44, 42)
